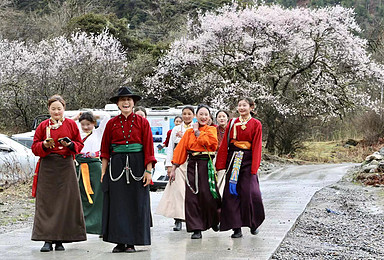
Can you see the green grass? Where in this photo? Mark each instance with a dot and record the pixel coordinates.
(333, 152)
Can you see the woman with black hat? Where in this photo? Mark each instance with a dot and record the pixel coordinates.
(127, 160)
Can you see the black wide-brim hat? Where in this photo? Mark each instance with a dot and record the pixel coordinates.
(125, 92)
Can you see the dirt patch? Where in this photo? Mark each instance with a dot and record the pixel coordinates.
(373, 179)
(17, 207)
(342, 221)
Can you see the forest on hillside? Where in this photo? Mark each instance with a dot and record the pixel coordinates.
(143, 32)
(159, 20)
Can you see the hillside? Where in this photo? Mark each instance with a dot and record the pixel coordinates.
(160, 20)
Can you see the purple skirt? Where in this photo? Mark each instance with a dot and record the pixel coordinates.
(245, 210)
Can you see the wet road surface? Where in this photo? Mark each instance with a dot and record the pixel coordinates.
(286, 192)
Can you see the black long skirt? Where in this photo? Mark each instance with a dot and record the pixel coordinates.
(245, 210)
(58, 214)
(201, 209)
(126, 206)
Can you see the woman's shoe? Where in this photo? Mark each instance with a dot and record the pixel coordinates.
(196, 234)
(177, 225)
(59, 246)
(119, 248)
(46, 247)
(254, 231)
(237, 233)
(130, 249)
(216, 228)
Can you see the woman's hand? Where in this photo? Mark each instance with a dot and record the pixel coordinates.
(46, 144)
(169, 168)
(179, 134)
(196, 129)
(104, 167)
(147, 178)
(172, 174)
(76, 117)
(64, 143)
(49, 143)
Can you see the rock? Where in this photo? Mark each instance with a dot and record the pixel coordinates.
(382, 151)
(374, 162)
(352, 142)
(380, 167)
(374, 156)
(368, 168)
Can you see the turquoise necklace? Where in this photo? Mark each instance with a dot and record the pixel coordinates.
(126, 137)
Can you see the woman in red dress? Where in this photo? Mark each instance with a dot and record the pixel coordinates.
(222, 118)
(240, 155)
(58, 215)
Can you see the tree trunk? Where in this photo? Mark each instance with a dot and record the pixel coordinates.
(271, 141)
(271, 121)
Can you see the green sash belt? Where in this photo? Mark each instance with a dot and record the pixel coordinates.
(80, 159)
(126, 148)
(212, 176)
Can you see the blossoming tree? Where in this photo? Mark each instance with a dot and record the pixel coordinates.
(293, 62)
(84, 69)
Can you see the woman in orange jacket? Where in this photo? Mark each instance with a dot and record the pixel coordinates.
(202, 198)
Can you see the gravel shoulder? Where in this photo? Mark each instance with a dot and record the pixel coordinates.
(342, 221)
(17, 207)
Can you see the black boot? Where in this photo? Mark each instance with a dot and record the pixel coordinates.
(236, 233)
(196, 234)
(254, 231)
(59, 246)
(46, 247)
(119, 248)
(177, 225)
(216, 228)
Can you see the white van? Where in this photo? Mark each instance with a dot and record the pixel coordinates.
(161, 120)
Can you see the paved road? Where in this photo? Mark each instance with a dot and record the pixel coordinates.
(286, 192)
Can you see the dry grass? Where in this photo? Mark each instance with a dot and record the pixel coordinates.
(335, 152)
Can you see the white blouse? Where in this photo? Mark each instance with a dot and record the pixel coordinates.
(93, 142)
(174, 140)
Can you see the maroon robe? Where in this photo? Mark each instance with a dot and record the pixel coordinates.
(246, 209)
(220, 135)
(58, 213)
(166, 142)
